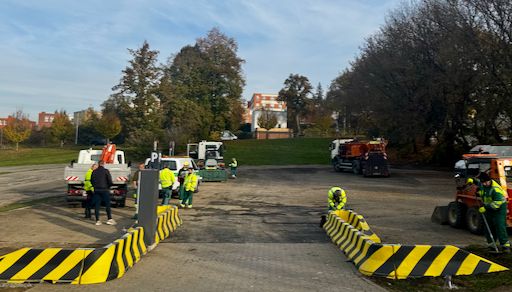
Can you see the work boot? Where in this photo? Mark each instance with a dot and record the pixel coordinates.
(506, 248)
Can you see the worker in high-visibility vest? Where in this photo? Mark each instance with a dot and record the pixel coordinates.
(494, 209)
(182, 173)
(167, 179)
(190, 187)
(89, 190)
(336, 198)
(233, 167)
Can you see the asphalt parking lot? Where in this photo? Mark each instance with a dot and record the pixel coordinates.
(257, 232)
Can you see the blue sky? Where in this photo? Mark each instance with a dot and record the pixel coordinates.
(57, 54)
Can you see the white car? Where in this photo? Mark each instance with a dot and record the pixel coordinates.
(227, 135)
(175, 164)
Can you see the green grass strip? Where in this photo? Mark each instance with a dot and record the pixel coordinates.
(33, 156)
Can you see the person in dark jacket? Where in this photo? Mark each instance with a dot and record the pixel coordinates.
(101, 181)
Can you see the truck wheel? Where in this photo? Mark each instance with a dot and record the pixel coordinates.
(456, 214)
(121, 203)
(335, 166)
(356, 167)
(474, 221)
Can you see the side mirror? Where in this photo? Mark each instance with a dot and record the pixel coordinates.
(72, 162)
(129, 163)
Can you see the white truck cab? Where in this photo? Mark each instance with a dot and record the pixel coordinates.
(74, 175)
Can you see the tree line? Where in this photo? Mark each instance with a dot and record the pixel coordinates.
(437, 69)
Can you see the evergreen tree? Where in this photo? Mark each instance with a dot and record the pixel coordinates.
(135, 100)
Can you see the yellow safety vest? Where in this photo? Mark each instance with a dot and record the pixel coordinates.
(190, 182)
(87, 181)
(333, 205)
(166, 178)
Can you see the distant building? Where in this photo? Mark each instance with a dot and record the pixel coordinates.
(3, 122)
(45, 120)
(260, 102)
(83, 116)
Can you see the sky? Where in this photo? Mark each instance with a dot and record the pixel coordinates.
(67, 55)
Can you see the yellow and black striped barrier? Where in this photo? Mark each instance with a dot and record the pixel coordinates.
(85, 265)
(76, 266)
(168, 221)
(350, 232)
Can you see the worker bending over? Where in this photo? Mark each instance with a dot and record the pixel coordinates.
(336, 198)
(494, 209)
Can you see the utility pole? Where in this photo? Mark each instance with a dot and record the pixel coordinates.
(77, 123)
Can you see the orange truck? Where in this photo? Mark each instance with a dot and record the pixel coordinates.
(463, 211)
(368, 158)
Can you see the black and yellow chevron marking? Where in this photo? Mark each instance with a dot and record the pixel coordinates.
(79, 266)
(36, 265)
(85, 265)
(352, 218)
(168, 220)
(112, 261)
(401, 261)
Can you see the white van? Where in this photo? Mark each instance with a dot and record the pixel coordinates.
(175, 164)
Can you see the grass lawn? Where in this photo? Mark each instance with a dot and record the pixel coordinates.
(247, 152)
(42, 155)
(279, 151)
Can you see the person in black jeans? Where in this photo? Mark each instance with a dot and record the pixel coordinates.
(101, 181)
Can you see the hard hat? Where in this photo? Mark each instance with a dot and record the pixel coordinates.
(186, 163)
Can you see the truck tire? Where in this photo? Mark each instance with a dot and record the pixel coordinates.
(356, 167)
(335, 163)
(121, 203)
(456, 214)
(474, 221)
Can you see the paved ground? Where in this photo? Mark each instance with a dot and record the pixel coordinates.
(258, 232)
(23, 183)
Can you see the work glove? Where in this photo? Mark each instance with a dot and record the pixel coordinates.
(481, 209)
